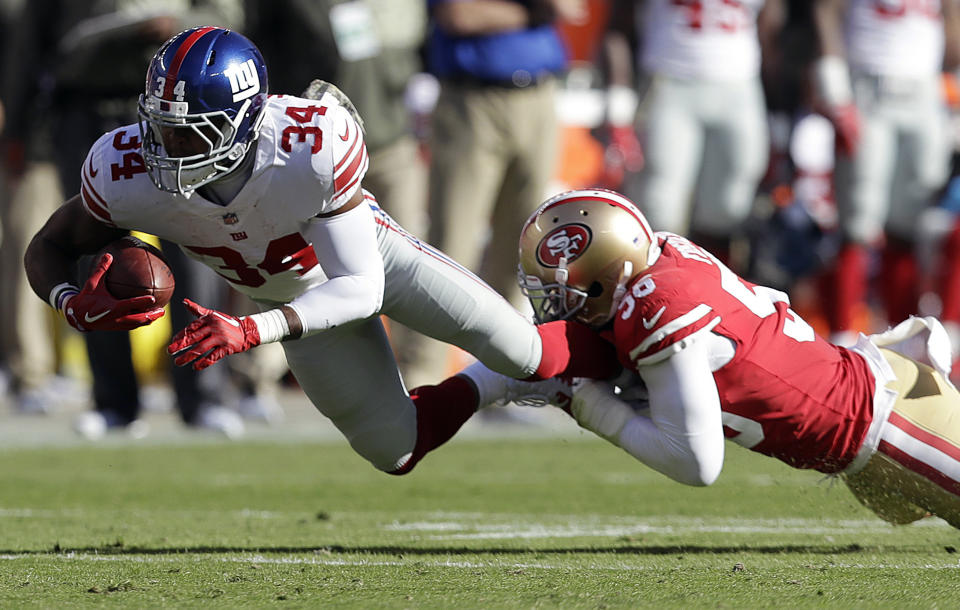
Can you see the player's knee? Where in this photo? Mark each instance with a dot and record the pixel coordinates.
(385, 453)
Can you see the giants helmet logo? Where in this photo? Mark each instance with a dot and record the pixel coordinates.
(244, 80)
(568, 241)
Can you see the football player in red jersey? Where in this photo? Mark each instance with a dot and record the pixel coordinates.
(266, 190)
(718, 357)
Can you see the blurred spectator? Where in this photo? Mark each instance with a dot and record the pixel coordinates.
(101, 51)
(370, 49)
(30, 194)
(703, 117)
(493, 144)
(878, 80)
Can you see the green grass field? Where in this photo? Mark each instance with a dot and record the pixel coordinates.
(565, 522)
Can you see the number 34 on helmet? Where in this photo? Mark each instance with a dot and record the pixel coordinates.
(579, 250)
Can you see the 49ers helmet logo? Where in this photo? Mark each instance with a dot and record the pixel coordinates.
(568, 241)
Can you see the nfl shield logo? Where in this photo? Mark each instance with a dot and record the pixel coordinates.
(230, 219)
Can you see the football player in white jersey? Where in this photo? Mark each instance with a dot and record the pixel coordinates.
(704, 122)
(266, 190)
(711, 356)
(878, 80)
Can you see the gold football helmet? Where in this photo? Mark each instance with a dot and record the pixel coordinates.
(579, 250)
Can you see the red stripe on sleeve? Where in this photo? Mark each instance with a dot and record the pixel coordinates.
(96, 210)
(350, 176)
(346, 155)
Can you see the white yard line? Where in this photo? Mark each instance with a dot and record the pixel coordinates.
(418, 560)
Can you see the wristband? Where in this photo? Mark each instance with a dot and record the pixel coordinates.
(622, 105)
(60, 294)
(271, 324)
(832, 77)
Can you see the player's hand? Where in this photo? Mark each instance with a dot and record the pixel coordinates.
(94, 308)
(623, 155)
(846, 125)
(212, 336)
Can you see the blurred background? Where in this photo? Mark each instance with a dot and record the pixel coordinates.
(724, 120)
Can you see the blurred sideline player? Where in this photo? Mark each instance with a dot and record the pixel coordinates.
(879, 82)
(718, 357)
(267, 192)
(704, 125)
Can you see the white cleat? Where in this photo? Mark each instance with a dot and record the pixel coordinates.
(91, 425)
(497, 389)
(218, 418)
(94, 425)
(260, 408)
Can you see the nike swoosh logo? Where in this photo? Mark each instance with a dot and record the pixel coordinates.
(346, 131)
(648, 324)
(225, 318)
(90, 319)
(93, 172)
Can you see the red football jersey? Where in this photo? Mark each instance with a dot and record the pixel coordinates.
(786, 393)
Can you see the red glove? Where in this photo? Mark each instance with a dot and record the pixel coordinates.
(623, 155)
(94, 308)
(846, 124)
(211, 337)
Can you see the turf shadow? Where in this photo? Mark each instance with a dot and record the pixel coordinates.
(803, 549)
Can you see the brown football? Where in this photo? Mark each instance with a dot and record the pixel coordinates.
(138, 269)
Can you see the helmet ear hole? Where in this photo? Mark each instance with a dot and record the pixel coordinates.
(595, 290)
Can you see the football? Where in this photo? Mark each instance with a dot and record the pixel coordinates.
(138, 269)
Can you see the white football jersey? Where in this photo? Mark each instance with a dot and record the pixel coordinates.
(310, 159)
(702, 39)
(901, 38)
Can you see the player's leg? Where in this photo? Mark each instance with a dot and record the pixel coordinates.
(672, 144)
(432, 294)
(923, 159)
(735, 156)
(350, 376)
(429, 292)
(862, 186)
(917, 464)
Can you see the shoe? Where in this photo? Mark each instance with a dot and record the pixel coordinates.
(496, 389)
(34, 401)
(218, 418)
(91, 425)
(260, 408)
(94, 425)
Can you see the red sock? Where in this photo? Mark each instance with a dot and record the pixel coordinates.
(572, 349)
(948, 280)
(900, 287)
(848, 283)
(441, 410)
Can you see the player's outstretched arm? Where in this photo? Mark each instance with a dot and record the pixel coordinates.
(683, 436)
(49, 261)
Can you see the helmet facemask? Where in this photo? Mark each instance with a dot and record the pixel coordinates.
(184, 174)
(553, 301)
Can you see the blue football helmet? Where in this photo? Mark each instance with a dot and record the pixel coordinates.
(206, 86)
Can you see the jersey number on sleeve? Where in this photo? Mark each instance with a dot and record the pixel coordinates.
(132, 161)
(730, 16)
(282, 254)
(303, 115)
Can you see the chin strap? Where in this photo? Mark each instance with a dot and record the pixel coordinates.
(625, 275)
